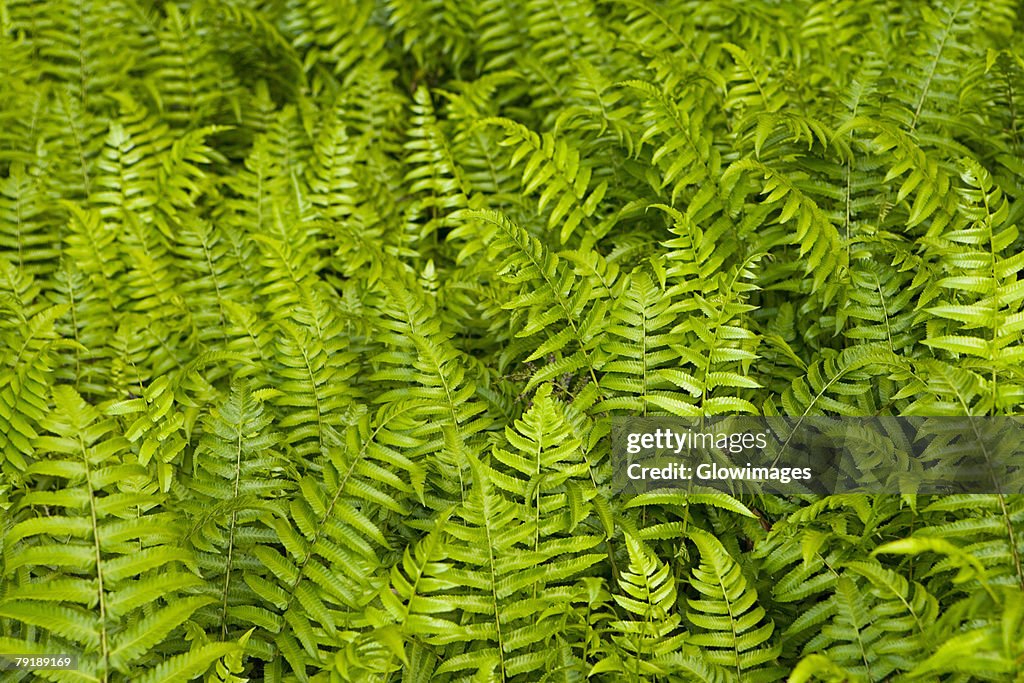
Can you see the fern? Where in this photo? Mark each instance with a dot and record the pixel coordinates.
(731, 622)
(237, 479)
(648, 596)
(315, 317)
(558, 173)
(117, 552)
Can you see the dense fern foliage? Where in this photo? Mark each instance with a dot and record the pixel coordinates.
(315, 312)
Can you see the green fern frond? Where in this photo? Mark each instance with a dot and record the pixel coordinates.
(556, 172)
(111, 541)
(729, 621)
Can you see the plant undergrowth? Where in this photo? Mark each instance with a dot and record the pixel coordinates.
(314, 312)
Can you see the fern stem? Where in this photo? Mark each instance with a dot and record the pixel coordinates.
(231, 535)
(100, 588)
(494, 588)
(934, 66)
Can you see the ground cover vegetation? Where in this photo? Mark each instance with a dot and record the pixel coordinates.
(314, 312)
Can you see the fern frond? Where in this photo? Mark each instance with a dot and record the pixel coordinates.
(528, 264)
(111, 540)
(730, 622)
(189, 84)
(556, 171)
(27, 350)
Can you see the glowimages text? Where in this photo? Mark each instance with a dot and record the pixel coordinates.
(710, 471)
